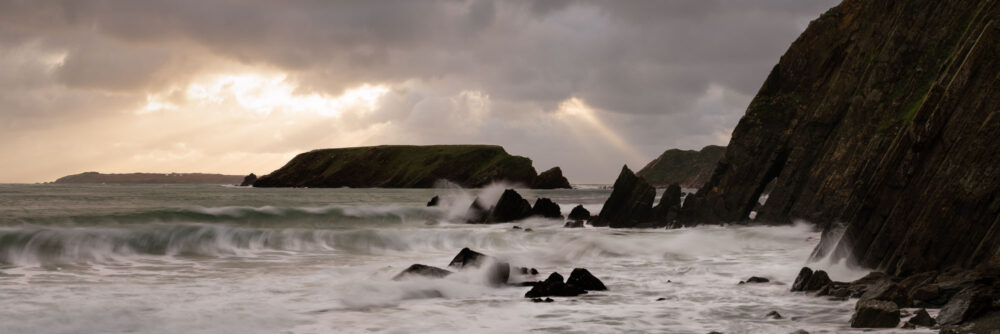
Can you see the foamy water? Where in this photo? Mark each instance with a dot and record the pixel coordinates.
(202, 259)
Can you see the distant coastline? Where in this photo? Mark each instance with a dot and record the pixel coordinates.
(149, 178)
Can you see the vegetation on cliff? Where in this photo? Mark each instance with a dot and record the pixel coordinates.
(402, 166)
(150, 178)
(689, 169)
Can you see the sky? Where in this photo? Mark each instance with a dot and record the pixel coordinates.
(234, 87)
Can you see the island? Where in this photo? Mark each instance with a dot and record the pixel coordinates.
(409, 166)
(149, 178)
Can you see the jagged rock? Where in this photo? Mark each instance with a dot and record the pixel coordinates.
(477, 213)
(423, 271)
(987, 323)
(511, 207)
(670, 205)
(434, 201)
(582, 278)
(545, 207)
(802, 279)
(554, 286)
(574, 224)
(579, 213)
(817, 281)
(551, 179)
(922, 318)
(968, 303)
(630, 203)
(774, 315)
(870, 313)
(886, 290)
(498, 273)
(249, 180)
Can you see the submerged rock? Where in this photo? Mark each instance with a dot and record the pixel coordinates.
(870, 313)
(579, 213)
(755, 279)
(498, 273)
(554, 286)
(774, 315)
(434, 201)
(582, 278)
(545, 207)
(477, 213)
(573, 224)
(423, 271)
(922, 318)
(551, 179)
(540, 300)
(630, 203)
(249, 180)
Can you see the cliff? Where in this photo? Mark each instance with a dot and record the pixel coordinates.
(402, 167)
(882, 115)
(689, 169)
(151, 178)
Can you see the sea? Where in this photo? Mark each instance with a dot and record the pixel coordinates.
(224, 259)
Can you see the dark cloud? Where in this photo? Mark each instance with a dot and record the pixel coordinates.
(662, 73)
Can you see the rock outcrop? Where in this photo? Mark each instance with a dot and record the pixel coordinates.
(150, 178)
(421, 270)
(689, 169)
(510, 207)
(545, 207)
(401, 166)
(630, 203)
(497, 273)
(551, 179)
(249, 180)
(579, 213)
(882, 115)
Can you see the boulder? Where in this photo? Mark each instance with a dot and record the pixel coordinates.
(498, 272)
(423, 271)
(574, 224)
(579, 213)
(802, 279)
(510, 207)
(583, 279)
(966, 304)
(551, 179)
(886, 290)
(630, 203)
(249, 180)
(817, 281)
(774, 315)
(870, 313)
(922, 318)
(755, 279)
(545, 207)
(554, 286)
(434, 201)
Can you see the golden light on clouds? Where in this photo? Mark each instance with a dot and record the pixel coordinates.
(265, 94)
(576, 109)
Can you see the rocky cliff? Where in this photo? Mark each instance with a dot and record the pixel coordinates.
(150, 178)
(689, 169)
(881, 115)
(402, 166)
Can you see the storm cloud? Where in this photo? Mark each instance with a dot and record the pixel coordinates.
(241, 86)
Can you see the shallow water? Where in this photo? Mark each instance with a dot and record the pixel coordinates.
(214, 259)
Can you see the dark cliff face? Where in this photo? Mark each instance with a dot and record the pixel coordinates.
(401, 167)
(689, 169)
(882, 115)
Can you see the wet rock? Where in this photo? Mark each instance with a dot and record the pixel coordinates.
(670, 205)
(987, 323)
(545, 207)
(533, 271)
(756, 279)
(927, 295)
(422, 271)
(477, 213)
(515, 227)
(922, 318)
(528, 230)
(660, 299)
(582, 278)
(573, 224)
(551, 179)
(817, 281)
(870, 313)
(510, 207)
(540, 300)
(630, 203)
(498, 273)
(966, 304)
(774, 315)
(799, 332)
(579, 213)
(434, 201)
(802, 279)
(248, 180)
(554, 286)
(887, 290)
